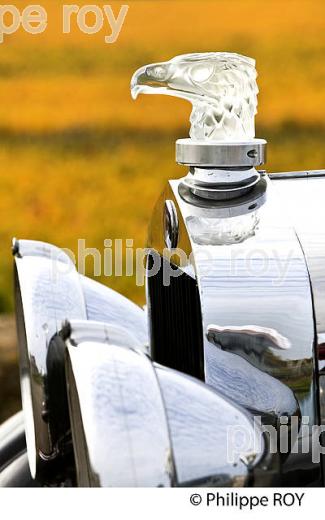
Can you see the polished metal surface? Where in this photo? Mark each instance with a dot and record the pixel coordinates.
(322, 395)
(218, 177)
(108, 306)
(47, 292)
(251, 274)
(304, 202)
(12, 438)
(296, 175)
(17, 473)
(254, 281)
(170, 225)
(220, 153)
(118, 420)
(203, 425)
(304, 196)
(139, 424)
(14, 466)
(228, 190)
(248, 202)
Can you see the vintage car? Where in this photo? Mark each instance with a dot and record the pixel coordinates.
(219, 380)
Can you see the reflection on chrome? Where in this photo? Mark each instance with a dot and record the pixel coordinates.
(214, 231)
(135, 423)
(248, 338)
(48, 292)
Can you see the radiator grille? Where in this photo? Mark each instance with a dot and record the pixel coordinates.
(175, 321)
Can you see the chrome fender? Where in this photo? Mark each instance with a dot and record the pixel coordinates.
(135, 423)
(49, 291)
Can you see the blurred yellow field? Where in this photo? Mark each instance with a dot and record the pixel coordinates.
(80, 159)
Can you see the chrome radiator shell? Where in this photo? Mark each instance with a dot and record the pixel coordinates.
(252, 272)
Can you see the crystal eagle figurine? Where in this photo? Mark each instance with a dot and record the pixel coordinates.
(221, 87)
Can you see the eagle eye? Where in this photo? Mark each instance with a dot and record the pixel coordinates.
(202, 72)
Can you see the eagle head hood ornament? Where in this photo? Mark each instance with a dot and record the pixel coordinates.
(221, 87)
(222, 151)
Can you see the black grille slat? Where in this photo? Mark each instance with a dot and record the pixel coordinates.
(175, 322)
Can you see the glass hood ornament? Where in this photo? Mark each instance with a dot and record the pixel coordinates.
(222, 151)
(221, 87)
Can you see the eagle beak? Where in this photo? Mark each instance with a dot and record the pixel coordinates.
(150, 79)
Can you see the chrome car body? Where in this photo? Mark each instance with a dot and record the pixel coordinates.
(254, 266)
(48, 291)
(135, 423)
